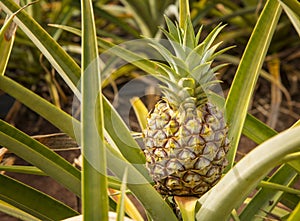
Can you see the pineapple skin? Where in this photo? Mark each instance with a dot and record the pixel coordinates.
(185, 148)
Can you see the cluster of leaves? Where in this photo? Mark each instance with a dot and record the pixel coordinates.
(103, 143)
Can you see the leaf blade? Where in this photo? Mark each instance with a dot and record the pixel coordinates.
(246, 174)
(39, 155)
(94, 179)
(46, 208)
(247, 73)
(60, 60)
(292, 13)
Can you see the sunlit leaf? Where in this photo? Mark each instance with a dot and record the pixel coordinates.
(247, 74)
(246, 174)
(291, 12)
(61, 61)
(32, 201)
(39, 155)
(94, 179)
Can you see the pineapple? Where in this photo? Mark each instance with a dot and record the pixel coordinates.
(186, 134)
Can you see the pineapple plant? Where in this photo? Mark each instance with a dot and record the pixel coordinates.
(186, 134)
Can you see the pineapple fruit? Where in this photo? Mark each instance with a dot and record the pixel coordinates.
(186, 135)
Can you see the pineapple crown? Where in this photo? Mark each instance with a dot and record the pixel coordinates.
(188, 76)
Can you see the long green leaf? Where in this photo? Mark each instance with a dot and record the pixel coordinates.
(246, 174)
(242, 88)
(121, 203)
(22, 169)
(260, 203)
(7, 36)
(112, 181)
(32, 201)
(290, 200)
(295, 215)
(61, 61)
(39, 155)
(291, 11)
(279, 187)
(13, 211)
(284, 175)
(119, 132)
(295, 164)
(54, 115)
(94, 179)
(257, 130)
(294, 5)
(184, 13)
(63, 16)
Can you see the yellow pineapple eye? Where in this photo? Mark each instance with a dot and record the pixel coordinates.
(172, 144)
(193, 126)
(172, 128)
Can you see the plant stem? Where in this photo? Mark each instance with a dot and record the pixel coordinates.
(187, 207)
